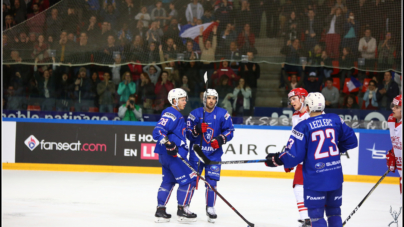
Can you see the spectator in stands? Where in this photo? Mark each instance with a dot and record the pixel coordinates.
(153, 71)
(315, 56)
(53, 23)
(224, 69)
(9, 22)
(185, 84)
(21, 70)
(293, 28)
(346, 62)
(194, 12)
(126, 88)
(351, 32)
(227, 36)
(189, 53)
(293, 82)
(331, 94)
(234, 55)
(92, 30)
(386, 51)
(106, 92)
(225, 91)
(14, 99)
(40, 49)
(163, 86)
(208, 16)
(110, 15)
(145, 93)
(70, 21)
(159, 13)
(23, 45)
(154, 34)
(173, 14)
(208, 53)
(313, 83)
(129, 111)
(82, 90)
(169, 50)
(83, 50)
(334, 30)
(36, 20)
(326, 64)
(19, 10)
(242, 95)
(350, 102)
(246, 40)
(118, 70)
(312, 30)
(110, 50)
(125, 35)
(173, 32)
(367, 48)
(285, 12)
(64, 48)
(94, 5)
(152, 54)
(370, 97)
(136, 49)
(386, 92)
(144, 17)
(244, 15)
(127, 12)
(293, 52)
(104, 33)
(170, 67)
(224, 14)
(94, 80)
(64, 89)
(251, 72)
(140, 31)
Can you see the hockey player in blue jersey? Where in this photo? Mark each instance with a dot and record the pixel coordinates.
(170, 135)
(318, 142)
(217, 129)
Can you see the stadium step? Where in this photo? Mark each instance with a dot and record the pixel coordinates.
(268, 102)
(268, 83)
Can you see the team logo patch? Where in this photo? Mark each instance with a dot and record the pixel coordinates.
(192, 175)
(226, 116)
(31, 142)
(342, 121)
(319, 165)
(170, 115)
(215, 168)
(208, 135)
(297, 135)
(192, 117)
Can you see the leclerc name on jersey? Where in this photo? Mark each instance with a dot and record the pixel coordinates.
(320, 123)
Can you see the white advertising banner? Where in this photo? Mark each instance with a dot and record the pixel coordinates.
(252, 144)
(8, 129)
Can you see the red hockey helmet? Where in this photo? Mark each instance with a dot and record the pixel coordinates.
(300, 92)
(397, 101)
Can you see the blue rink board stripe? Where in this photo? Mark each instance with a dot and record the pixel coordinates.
(137, 123)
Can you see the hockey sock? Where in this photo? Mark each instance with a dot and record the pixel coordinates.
(184, 194)
(210, 194)
(299, 194)
(164, 193)
(335, 221)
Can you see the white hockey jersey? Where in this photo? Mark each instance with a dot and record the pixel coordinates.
(298, 117)
(396, 140)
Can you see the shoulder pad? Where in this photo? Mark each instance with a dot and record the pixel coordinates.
(391, 119)
(191, 116)
(169, 115)
(226, 116)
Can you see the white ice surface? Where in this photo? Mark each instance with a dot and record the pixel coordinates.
(48, 199)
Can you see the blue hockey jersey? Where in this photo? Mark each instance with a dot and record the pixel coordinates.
(219, 122)
(171, 124)
(318, 142)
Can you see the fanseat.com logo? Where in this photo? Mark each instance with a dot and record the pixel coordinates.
(32, 142)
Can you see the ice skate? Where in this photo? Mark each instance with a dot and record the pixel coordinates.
(211, 213)
(185, 215)
(161, 215)
(304, 223)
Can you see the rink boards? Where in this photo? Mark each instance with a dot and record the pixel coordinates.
(127, 147)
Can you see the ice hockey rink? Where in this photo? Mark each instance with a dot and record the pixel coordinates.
(48, 199)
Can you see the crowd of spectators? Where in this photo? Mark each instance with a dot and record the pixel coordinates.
(121, 34)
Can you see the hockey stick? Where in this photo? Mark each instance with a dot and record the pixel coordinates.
(363, 200)
(207, 161)
(205, 78)
(213, 189)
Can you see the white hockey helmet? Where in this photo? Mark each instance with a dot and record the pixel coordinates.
(210, 92)
(175, 94)
(315, 101)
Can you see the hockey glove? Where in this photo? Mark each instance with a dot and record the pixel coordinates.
(391, 161)
(200, 128)
(171, 149)
(273, 160)
(218, 141)
(287, 170)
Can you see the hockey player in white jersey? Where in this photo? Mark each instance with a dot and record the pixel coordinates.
(394, 156)
(296, 98)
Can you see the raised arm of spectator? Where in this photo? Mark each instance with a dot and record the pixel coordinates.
(161, 53)
(300, 83)
(214, 42)
(201, 44)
